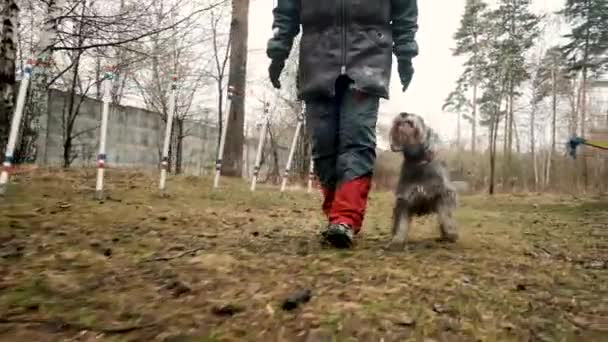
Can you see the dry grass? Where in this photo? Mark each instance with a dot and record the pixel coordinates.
(215, 266)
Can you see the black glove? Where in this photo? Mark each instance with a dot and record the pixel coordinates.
(406, 71)
(274, 72)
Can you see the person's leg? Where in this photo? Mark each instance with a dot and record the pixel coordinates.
(356, 157)
(322, 125)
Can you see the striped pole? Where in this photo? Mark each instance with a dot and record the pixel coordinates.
(311, 175)
(258, 157)
(164, 165)
(14, 131)
(292, 150)
(220, 152)
(101, 157)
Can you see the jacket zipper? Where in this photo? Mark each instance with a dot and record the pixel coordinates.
(343, 69)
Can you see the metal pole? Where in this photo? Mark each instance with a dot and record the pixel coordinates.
(220, 152)
(15, 124)
(311, 174)
(101, 157)
(164, 165)
(292, 150)
(258, 157)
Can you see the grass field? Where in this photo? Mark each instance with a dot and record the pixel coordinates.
(216, 266)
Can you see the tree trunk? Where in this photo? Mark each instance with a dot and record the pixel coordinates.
(474, 125)
(98, 79)
(233, 156)
(584, 95)
(533, 146)
(38, 105)
(493, 130)
(583, 119)
(553, 123)
(9, 12)
(511, 122)
(179, 148)
(68, 118)
(274, 174)
(516, 136)
(220, 110)
(458, 128)
(549, 165)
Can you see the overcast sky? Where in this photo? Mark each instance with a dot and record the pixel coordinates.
(436, 70)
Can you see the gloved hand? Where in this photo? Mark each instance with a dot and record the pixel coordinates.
(274, 72)
(406, 71)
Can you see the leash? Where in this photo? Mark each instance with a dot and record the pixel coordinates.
(575, 142)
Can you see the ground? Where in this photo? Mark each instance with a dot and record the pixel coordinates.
(203, 265)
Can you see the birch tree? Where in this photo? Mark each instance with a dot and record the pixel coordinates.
(9, 12)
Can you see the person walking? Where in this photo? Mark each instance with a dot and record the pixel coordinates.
(345, 62)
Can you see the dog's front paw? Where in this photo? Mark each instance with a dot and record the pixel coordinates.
(396, 245)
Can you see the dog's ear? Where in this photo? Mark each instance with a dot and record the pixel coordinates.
(420, 128)
(394, 136)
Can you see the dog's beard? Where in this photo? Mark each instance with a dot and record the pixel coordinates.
(414, 152)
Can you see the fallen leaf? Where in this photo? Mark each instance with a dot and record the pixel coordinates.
(406, 321)
(269, 309)
(438, 308)
(65, 205)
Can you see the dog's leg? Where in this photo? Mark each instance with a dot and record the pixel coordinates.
(447, 225)
(401, 222)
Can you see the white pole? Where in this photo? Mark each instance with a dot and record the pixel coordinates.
(292, 150)
(101, 157)
(220, 152)
(311, 174)
(258, 157)
(165, 158)
(15, 124)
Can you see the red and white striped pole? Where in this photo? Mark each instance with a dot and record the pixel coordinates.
(15, 124)
(292, 150)
(220, 152)
(311, 175)
(101, 157)
(164, 165)
(258, 157)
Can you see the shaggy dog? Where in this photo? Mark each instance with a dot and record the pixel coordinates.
(424, 186)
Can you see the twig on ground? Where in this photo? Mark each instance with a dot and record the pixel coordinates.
(181, 255)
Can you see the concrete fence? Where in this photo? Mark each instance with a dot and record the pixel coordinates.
(135, 138)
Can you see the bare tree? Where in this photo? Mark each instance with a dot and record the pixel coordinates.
(220, 59)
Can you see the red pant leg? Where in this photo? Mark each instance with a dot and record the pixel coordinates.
(350, 202)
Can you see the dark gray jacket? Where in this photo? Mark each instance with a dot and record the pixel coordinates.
(352, 37)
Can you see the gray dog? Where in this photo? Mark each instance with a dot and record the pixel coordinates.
(424, 186)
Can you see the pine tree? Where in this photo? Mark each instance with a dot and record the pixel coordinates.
(458, 103)
(492, 76)
(552, 80)
(517, 29)
(468, 43)
(587, 46)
